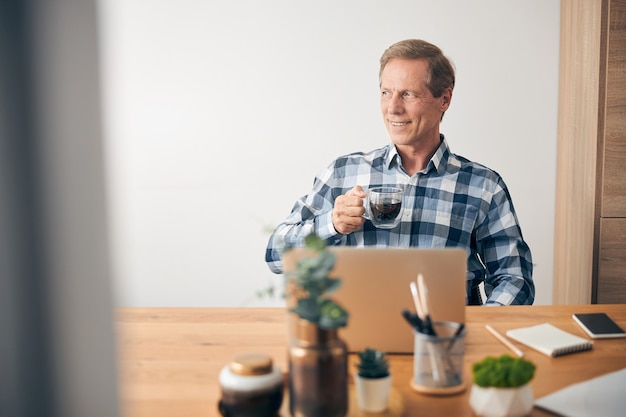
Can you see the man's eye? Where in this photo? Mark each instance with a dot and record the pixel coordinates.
(409, 96)
(385, 94)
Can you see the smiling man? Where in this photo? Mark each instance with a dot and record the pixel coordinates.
(448, 201)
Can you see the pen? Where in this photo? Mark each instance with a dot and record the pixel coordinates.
(413, 320)
(416, 300)
(505, 342)
(420, 296)
(423, 298)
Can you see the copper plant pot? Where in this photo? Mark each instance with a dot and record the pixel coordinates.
(318, 372)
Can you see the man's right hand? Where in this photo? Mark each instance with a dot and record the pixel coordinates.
(348, 211)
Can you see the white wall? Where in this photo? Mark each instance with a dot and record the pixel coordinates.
(218, 115)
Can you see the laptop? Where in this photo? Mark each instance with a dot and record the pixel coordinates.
(375, 290)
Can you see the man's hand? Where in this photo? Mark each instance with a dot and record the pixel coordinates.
(348, 211)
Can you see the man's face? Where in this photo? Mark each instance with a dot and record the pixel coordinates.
(410, 112)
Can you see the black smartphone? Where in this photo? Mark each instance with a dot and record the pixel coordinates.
(598, 325)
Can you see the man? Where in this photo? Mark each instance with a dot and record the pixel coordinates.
(452, 202)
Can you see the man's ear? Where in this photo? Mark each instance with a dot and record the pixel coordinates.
(446, 99)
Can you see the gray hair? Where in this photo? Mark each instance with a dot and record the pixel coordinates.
(441, 70)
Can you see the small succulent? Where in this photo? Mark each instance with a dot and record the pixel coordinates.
(503, 372)
(312, 285)
(373, 364)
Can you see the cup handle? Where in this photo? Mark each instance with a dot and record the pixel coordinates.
(367, 215)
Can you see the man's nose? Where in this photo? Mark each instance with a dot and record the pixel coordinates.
(395, 104)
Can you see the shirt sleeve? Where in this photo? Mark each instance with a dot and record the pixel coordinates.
(507, 257)
(310, 214)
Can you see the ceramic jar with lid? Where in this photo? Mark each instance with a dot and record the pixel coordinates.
(251, 386)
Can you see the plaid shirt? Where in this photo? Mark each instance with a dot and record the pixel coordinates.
(453, 203)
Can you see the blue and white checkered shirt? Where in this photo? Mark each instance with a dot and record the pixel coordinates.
(455, 203)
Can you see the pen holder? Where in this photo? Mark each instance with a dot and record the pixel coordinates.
(438, 360)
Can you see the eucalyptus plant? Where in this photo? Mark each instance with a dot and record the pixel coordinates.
(312, 285)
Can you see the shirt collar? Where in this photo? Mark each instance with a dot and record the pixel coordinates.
(437, 162)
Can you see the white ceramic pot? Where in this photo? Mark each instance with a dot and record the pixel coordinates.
(372, 393)
(501, 402)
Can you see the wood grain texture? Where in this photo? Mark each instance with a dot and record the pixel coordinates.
(579, 90)
(611, 246)
(612, 259)
(170, 358)
(614, 178)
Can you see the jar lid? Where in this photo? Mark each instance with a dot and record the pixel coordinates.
(251, 364)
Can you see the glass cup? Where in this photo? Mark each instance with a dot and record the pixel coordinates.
(383, 206)
(438, 360)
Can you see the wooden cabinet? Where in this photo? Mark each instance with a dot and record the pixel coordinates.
(611, 284)
(610, 260)
(590, 222)
(613, 189)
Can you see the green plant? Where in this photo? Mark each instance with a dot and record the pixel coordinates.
(373, 364)
(312, 285)
(503, 372)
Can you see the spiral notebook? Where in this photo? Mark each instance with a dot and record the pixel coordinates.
(549, 339)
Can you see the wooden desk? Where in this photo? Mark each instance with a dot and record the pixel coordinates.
(170, 358)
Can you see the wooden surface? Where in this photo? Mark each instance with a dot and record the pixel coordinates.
(614, 178)
(612, 261)
(611, 253)
(170, 358)
(591, 150)
(577, 148)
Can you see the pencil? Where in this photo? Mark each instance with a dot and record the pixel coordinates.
(504, 341)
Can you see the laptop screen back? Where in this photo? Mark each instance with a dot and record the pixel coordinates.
(375, 290)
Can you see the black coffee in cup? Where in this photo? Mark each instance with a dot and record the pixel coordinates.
(384, 206)
(385, 211)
